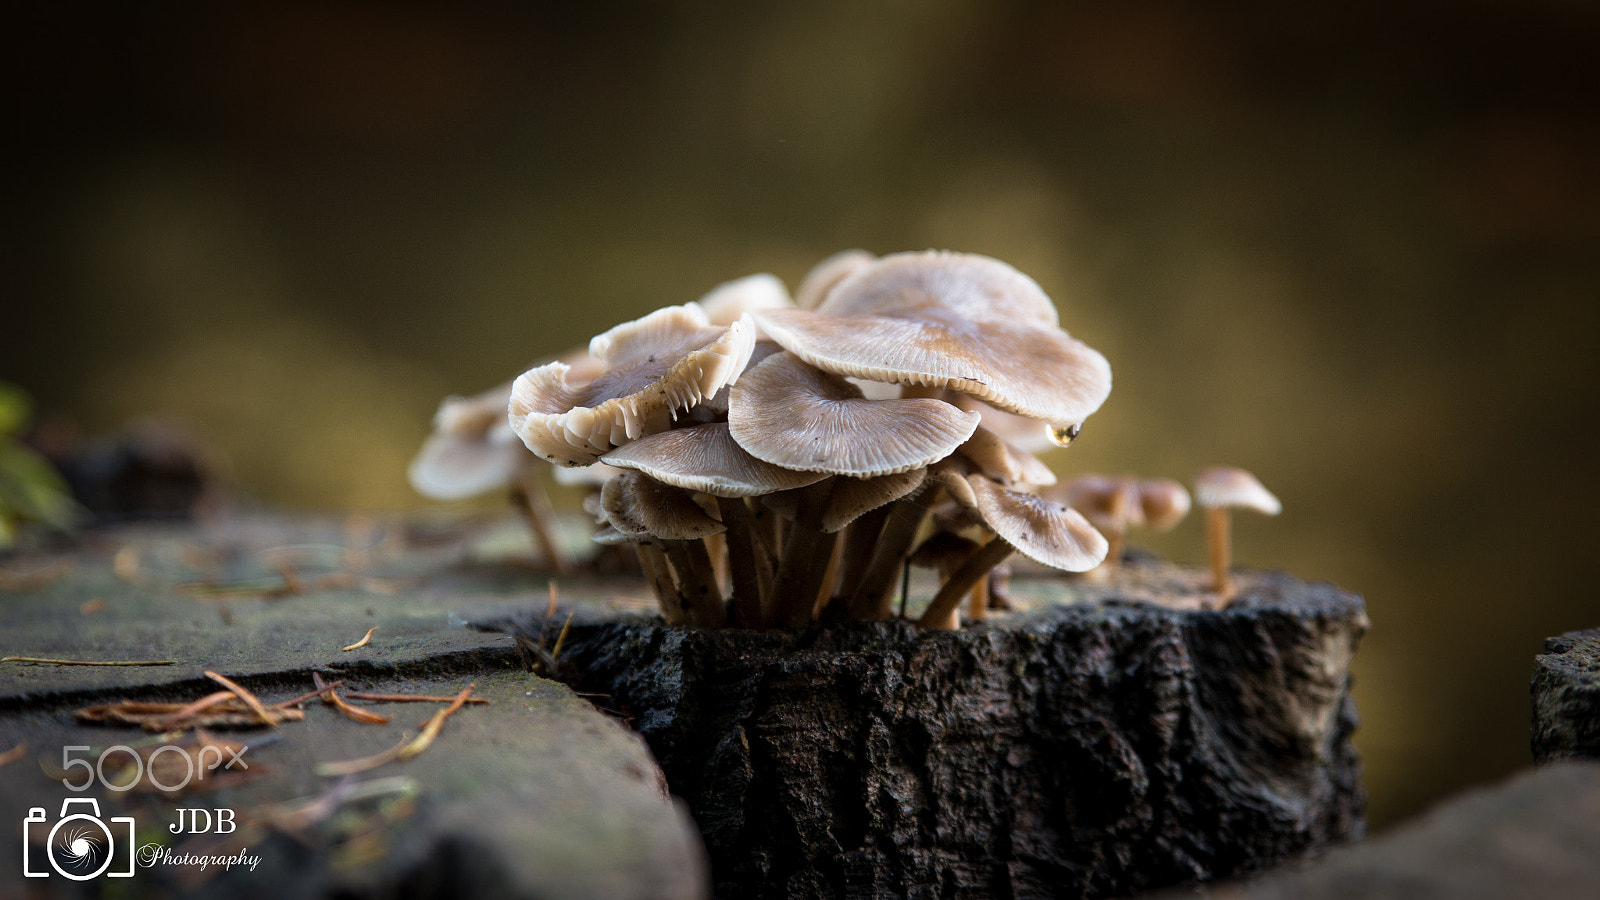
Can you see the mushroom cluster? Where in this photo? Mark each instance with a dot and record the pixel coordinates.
(775, 462)
(792, 454)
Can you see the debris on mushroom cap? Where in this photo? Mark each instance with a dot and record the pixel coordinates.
(792, 415)
(1049, 532)
(634, 504)
(1003, 462)
(825, 275)
(706, 458)
(968, 323)
(853, 498)
(725, 303)
(1230, 486)
(472, 450)
(667, 361)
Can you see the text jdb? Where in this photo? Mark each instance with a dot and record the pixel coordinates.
(203, 821)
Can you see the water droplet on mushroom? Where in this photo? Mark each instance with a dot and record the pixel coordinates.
(1064, 435)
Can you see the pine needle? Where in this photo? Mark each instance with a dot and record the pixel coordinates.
(248, 698)
(363, 642)
(430, 728)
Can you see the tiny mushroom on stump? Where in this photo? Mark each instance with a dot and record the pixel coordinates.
(638, 505)
(473, 451)
(1049, 532)
(1116, 504)
(1218, 490)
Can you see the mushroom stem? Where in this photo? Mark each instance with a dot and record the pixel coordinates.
(1219, 541)
(978, 599)
(698, 582)
(530, 497)
(830, 575)
(961, 581)
(805, 557)
(717, 549)
(861, 539)
(745, 562)
(873, 597)
(654, 563)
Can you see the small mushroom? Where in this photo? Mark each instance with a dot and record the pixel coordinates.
(1115, 505)
(706, 459)
(725, 303)
(1049, 532)
(655, 367)
(1219, 490)
(473, 451)
(638, 505)
(945, 551)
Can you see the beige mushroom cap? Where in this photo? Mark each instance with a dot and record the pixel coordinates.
(472, 450)
(1006, 354)
(706, 458)
(1163, 502)
(825, 275)
(1049, 532)
(725, 303)
(670, 360)
(853, 498)
(1230, 486)
(1003, 462)
(792, 415)
(635, 504)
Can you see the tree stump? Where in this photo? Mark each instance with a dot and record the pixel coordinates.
(1092, 745)
(1566, 698)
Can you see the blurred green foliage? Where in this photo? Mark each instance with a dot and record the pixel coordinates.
(31, 490)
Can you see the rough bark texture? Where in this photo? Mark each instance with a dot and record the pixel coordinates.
(1566, 698)
(1086, 750)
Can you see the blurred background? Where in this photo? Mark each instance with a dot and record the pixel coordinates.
(1354, 249)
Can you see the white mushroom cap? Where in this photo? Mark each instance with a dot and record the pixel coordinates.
(472, 450)
(725, 303)
(968, 323)
(1229, 486)
(635, 504)
(592, 475)
(706, 458)
(667, 361)
(1119, 503)
(825, 275)
(1050, 532)
(1163, 502)
(792, 415)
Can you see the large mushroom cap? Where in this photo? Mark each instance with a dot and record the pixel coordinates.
(706, 458)
(791, 415)
(667, 361)
(825, 275)
(1050, 532)
(1230, 486)
(967, 323)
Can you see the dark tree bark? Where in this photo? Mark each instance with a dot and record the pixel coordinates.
(1566, 698)
(1085, 750)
